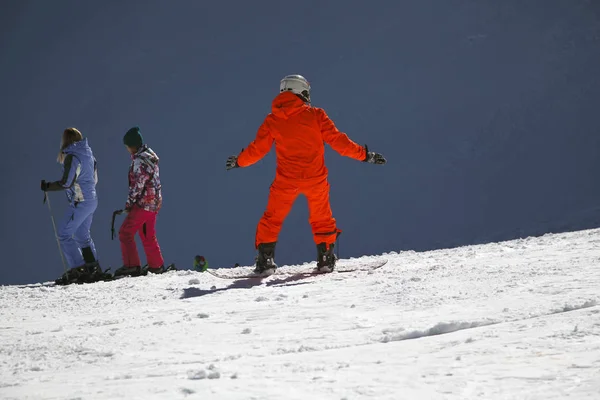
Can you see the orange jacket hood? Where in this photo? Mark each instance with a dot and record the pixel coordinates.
(287, 104)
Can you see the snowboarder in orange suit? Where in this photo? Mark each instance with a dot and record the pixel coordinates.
(299, 132)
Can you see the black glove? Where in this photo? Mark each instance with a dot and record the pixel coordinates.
(232, 163)
(374, 158)
(51, 186)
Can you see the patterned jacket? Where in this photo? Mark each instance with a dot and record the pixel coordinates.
(144, 181)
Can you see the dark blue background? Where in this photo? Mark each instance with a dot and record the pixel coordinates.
(488, 113)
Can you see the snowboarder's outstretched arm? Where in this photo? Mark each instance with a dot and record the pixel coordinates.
(255, 151)
(70, 165)
(341, 143)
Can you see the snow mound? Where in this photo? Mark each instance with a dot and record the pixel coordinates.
(439, 329)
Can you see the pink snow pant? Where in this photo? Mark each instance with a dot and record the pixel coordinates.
(144, 222)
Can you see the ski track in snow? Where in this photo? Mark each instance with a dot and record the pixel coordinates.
(511, 320)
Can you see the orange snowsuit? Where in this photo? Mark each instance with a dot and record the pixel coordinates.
(299, 132)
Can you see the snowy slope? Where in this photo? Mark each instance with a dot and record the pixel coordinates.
(513, 320)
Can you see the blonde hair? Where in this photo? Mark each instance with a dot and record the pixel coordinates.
(69, 136)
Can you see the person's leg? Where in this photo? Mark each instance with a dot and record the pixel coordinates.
(133, 222)
(82, 236)
(323, 225)
(320, 215)
(66, 229)
(281, 200)
(149, 240)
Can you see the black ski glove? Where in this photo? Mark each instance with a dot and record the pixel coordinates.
(50, 186)
(374, 158)
(232, 163)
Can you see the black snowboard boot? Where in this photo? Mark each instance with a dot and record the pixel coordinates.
(94, 273)
(71, 276)
(146, 269)
(325, 258)
(265, 261)
(158, 270)
(88, 255)
(87, 273)
(128, 271)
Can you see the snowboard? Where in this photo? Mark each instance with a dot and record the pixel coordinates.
(107, 278)
(369, 266)
(170, 267)
(37, 285)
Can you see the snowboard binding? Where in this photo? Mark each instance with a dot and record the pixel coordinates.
(326, 258)
(87, 273)
(265, 260)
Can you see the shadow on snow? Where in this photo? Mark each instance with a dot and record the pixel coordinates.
(247, 283)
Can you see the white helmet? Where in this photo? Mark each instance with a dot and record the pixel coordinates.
(296, 84)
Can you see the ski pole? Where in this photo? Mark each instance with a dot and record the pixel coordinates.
(112, 226)
(62, 257)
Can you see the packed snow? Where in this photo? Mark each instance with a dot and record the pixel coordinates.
(511, 320)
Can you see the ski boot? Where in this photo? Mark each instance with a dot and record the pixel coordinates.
(325, 258)
(128, 271)
(265, 261)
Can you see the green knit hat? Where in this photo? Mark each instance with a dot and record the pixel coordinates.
(133, 138)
